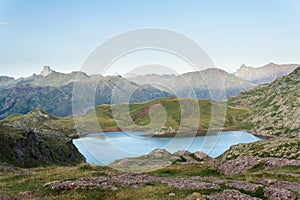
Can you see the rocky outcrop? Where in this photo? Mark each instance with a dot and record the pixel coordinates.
(276, 147)
(46, 71)
(133, 180)
(276, 105)
(157, 159)
(31, 148)
(243, 185)
(278, 194)
(243, 164)
(293, 186)
(234, 189)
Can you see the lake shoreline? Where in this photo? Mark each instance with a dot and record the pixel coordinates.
(187, 133)
(130, 146)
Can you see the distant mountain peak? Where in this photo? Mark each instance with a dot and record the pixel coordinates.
(46, 71)
(266, 73)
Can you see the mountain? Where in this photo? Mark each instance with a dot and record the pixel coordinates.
(151, 78)
(216, 79)
(194, 84)
(53, 91)
(277, 106)
(46, 71)
(4, 79)
(48, 77)
(266, 73)
(58, 100)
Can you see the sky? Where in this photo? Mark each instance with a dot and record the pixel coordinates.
(62, 33)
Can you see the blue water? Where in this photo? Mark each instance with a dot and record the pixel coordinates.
(104, 148)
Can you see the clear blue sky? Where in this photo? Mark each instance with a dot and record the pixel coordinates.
(62, 33)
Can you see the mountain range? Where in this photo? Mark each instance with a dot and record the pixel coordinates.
(53, 91)
(266, 169)
(269, 110)
(266, 73)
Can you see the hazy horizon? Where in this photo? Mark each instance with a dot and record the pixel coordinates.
(62, 34)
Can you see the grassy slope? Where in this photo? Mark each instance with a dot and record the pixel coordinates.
(139, 113)
(277, 106)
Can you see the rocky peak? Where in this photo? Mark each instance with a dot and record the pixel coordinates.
(46, 71)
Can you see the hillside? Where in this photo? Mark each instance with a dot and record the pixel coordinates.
(277, 106)
(140, 114)
(32, 148)
(266, 73)
(58, 100)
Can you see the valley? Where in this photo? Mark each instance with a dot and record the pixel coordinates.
(37, 147)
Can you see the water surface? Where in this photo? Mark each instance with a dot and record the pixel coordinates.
(104, 148)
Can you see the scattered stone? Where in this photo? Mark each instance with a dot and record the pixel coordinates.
(172, 194)
(230, 195)
(195, 196)
(210, 179)
(281, 184)
(27, 194)
(6, 197)
(243, 164)
(278, 194)
(250, 187)
(182, 183)
(284, 174)
(92, 182)
(133, 180)
(50, 183)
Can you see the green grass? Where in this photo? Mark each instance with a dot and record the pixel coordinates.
(13, 183)
(179, 170)
(139, 116)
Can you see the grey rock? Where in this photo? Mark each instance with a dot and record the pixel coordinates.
(156, 159)
(278, 194)
(250, 187)
(293, 186)
(202, 156)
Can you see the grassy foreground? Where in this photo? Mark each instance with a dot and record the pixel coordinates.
(29, 183)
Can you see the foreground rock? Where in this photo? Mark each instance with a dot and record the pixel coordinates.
(156, 159)
(278, 194)
(195, 196)
(133, 180)
(244, 164)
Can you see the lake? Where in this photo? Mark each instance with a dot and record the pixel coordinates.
(104, 148)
